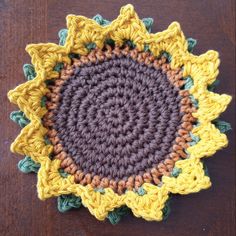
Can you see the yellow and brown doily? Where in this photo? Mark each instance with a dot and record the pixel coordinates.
(118, 118)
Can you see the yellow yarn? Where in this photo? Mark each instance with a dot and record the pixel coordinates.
(203, 70)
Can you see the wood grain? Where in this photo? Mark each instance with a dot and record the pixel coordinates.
(210, 212)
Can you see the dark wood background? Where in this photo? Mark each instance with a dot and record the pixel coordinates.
(210, 212)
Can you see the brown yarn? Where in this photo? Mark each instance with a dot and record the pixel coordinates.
(143, 62)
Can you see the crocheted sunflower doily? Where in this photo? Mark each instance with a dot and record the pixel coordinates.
(117, 118)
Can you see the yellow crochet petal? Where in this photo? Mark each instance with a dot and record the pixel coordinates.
(45, 57)
(191, 179)
(31, 141)
(128, 26)
(82, 31)
(150, 205)
(28, 97)
(211, 105)
(211, 140)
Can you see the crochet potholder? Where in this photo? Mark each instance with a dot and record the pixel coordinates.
(117, 118)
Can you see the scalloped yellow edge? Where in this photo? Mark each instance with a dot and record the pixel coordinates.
(203, 70)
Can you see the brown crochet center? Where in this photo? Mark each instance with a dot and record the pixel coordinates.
(118, 118)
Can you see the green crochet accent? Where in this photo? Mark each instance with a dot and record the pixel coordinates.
(166, 209)
(188, 83)
(58, 67)
(148, 22)
(62, 173)
(205, 169)
(62, 36)
(66, 202)
(141, 191)
(27, 165)
(212, 86)
(90, 46)
(191, 44)
(20, 118)
(166, 55)
(100, 190)
(195, 139)
(46, 140)
(116, 215)
(193, 100)
(43, 101)
(74, 55)
(100, 20)
(146, 48)
(175, 172)
(29, 71)
(130, 43)
(222, 125)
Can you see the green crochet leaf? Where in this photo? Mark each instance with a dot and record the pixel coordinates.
(191, 44)
(188, 83)
(20, 118)
(166, 209)
(222, 125)
(29, 71)
(100, 20)
(62, 173)
(195, 139)
(141, 191)
(175, 172)
(67, 202)
(148, 22)
(62, 36)
(27, 165)
(58, 67)
(212, 86)
(115, 216)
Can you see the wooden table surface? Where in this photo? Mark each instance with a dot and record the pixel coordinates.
(210, 212)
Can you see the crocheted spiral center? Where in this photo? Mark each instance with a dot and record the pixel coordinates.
(117, 118)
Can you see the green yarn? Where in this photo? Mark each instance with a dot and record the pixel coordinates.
(62, 173)
(148, 22)
(110, 42)
(130, 43)
(100, 20)
(115, 216)
(74, 55)
(43, 101)
(29, 71)
(90, 46)
(20, 118)
(212, 86)
(66, 202)
(167, 56)
(141, 191)
(58, 67)
(166, 209)
(222, 125)
(188, 83)
(46, 140)
(191, 44)
(62, 36)
(175, 172)
(194, 101)
(27, 165)
(195, 139)
(99, 190)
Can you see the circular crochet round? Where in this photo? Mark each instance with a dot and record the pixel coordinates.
(117, 118)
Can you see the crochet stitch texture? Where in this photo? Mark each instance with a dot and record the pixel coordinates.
(118, 118)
